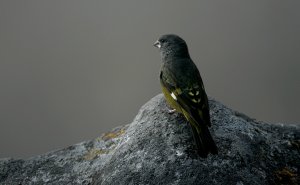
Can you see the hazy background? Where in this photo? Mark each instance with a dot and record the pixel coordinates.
(71, 70)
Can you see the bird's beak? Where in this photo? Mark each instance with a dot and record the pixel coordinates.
(157, 44)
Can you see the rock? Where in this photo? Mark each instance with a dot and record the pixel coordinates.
(158, 148)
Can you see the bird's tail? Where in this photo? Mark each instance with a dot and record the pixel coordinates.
(204, 141)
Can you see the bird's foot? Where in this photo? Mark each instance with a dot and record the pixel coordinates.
(171, 111)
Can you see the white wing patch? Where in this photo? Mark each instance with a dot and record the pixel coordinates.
(173, 96)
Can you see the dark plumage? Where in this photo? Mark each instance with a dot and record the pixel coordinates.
(184, 91)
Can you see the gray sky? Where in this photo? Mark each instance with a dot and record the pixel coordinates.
(71, 70)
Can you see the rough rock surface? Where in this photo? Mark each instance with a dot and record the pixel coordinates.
(158, 148)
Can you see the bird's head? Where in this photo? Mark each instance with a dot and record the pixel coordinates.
(171, 45)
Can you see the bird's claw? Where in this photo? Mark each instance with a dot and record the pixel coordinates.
(172, 111)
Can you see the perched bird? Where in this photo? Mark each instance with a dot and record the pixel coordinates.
(184, 91)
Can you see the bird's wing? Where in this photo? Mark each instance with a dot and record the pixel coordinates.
(194, 100)
(189, 94)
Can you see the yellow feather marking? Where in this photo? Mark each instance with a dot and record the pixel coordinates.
(197, 93)
(194, 100)
(173, 103)
(178, 91)
(198, 101)
(190, 93)
(173, 96)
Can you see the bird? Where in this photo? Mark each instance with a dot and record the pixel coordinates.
(183, 90)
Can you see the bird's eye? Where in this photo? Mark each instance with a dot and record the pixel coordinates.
(162, 40)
